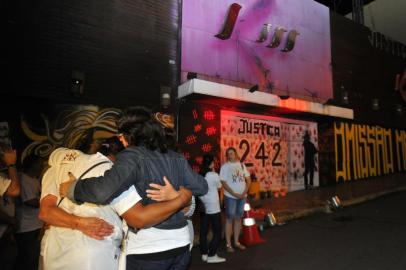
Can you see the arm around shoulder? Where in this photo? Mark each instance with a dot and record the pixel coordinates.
(102, 190)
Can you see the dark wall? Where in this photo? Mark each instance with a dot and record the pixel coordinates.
(199, 132)
(125, 49)
(366, 73)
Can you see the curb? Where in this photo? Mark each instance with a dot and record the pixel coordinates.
(372, 196)
(307, 212)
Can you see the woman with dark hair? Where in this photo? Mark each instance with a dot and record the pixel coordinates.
(144, 163)
(111, 147)
(211, 212)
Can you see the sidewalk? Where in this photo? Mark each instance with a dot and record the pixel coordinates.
(305, 202)
(302, 203)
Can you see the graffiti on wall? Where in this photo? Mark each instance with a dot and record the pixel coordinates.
(271, 148)
(70, 125)
(363, 151)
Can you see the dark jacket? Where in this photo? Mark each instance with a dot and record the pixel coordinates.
(139, 166)
(309, 152)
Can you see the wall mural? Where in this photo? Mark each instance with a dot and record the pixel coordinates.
(270, 147)
(363, 151)
(69, 126)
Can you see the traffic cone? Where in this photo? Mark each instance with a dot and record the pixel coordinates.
(250, 234)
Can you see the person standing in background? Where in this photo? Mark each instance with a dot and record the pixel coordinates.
(236, 181)
(211, 214)
(309, 153)
(9, 189)
(27, 210)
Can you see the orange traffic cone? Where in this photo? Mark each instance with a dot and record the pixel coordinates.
(250, 234)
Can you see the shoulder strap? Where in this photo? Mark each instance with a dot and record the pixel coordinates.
(91, 168)
(83, 174)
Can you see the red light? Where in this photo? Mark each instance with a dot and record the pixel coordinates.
(206, 147)
(198, 127)
(209, 115)
(186, 155)
(195, 115)
(210, 131)
(199, 160)
(191, 139)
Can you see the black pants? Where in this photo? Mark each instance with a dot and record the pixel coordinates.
(28, 250)
(8, 251)
(215, 221)
(178, 262)
(309, 170)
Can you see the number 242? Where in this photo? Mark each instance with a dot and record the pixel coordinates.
(260, 154)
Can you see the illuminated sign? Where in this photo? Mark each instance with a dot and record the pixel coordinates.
(234, 42)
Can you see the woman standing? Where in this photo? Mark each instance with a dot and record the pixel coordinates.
(211, 212)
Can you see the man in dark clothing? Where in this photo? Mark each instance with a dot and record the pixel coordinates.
(144, 162)
(309, 153)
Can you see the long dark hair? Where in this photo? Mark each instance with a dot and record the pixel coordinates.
(207, 160)
(141, 129)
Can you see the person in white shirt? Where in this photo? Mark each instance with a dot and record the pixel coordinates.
(236, 181)
(94, 242)
(9, 189)
(211, 213)
(27, 209)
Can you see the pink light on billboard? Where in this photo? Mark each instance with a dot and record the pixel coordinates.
(272, 43)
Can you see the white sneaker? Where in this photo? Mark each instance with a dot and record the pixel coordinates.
(215, 259)
(204, 257)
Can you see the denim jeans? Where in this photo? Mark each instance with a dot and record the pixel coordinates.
(234, 207)
(215, 221)
(179, 262)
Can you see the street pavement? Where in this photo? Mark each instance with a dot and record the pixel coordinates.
(368, 233)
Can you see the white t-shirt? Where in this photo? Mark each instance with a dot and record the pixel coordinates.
(211, 198)
(72, 248)
(154, 240)
(6, 203)
(234, 173)
(28, 216)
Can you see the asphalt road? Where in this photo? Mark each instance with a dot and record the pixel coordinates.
(369, 236)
